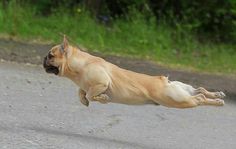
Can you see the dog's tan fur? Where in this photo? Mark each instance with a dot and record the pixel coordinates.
(104, 82)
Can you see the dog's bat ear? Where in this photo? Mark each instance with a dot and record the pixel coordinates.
(65, 43)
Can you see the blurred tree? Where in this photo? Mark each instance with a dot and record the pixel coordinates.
(94, 6)
(205, 17)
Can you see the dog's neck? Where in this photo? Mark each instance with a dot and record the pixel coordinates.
(77, 59)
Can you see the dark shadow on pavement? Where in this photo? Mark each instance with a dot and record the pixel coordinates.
(85, 138)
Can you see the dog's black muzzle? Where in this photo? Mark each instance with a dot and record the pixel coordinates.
(50, 68)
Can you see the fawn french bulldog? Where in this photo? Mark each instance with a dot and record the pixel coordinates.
(101, 81)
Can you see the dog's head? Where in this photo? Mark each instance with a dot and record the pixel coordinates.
(56, 58)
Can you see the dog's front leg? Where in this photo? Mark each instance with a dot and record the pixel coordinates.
(83, 99)
(96, 93)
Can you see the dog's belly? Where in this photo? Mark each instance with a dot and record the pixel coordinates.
(128, 97)
(131, 100)
(132, 88)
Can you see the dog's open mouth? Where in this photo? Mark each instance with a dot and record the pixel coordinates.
(50, 68)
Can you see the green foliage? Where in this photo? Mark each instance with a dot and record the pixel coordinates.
(13, 16)
(135, 36)
(209, 19)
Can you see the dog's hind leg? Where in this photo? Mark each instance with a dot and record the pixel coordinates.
(213, 95)
(97, 93)
(182, 95)
(200, 99)
(192, 91)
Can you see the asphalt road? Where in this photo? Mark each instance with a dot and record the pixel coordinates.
(42, 111)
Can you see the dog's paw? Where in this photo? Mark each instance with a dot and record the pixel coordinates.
(220, 94)
(220, 102)
(84, 101)
(103, 98)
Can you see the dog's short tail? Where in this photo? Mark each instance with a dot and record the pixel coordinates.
(164, 79)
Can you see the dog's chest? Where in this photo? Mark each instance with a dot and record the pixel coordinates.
(80, 82)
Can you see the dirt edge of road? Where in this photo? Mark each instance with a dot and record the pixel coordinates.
(33, 53)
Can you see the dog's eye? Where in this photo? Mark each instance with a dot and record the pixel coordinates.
(50, 56)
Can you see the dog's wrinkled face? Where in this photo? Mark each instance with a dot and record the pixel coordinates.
(55, 58)
(51, 61)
